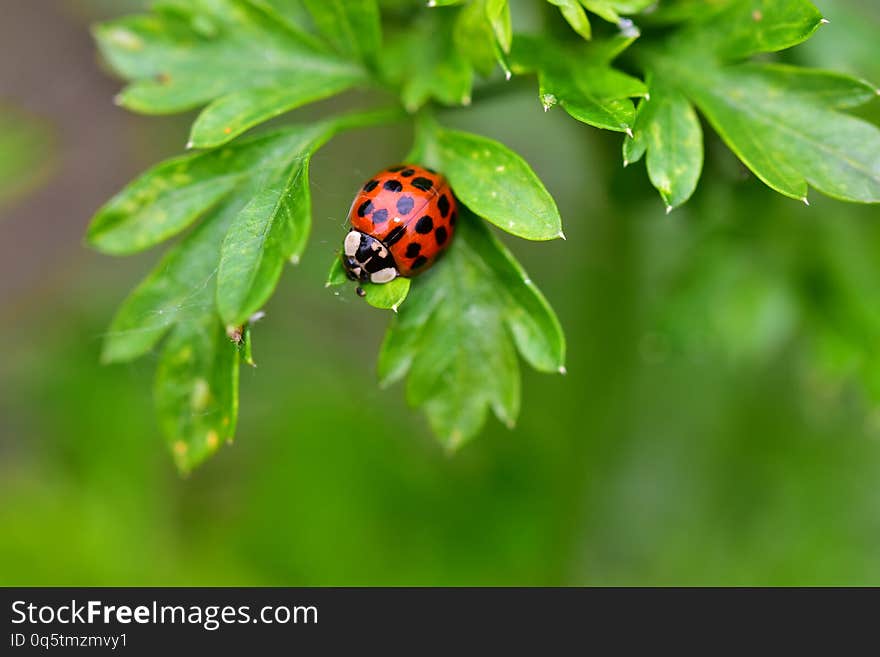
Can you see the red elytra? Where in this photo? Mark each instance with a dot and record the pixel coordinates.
(408, 209)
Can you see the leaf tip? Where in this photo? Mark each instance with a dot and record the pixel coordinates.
(508, 74)
(806, 201)
(432, 3)
(629, 132)
(561, 236)
(294, 259)
(562, 370)
(118, 99)
(669, 208)
(625, 163)
(824, 21)
(190, 144)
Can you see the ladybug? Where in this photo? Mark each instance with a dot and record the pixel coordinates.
(401, 220)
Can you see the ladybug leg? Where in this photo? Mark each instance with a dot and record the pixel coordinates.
(360, 291)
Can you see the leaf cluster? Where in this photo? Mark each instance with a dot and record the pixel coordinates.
(239, 205)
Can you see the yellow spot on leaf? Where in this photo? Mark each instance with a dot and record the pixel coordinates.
(212, 440)
(126, 39)
(201, 395)
(180, 448)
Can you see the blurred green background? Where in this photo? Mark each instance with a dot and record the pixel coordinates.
(718, 425)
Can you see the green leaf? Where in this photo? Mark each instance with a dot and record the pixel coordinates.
(186, 54)
(351, 26)
(426, 64)
(474, 37)
(271, 230)
(783, 122)
(748, 27)
(457, 333)
(495, 183)
(498, 13)
(783, 126)
(574, 13)
(668, 128)
(274, 226)
(183, 281)
(386, 296)
(196, 390)
(231, 115)
(171, 196)
(336, 275)
(629, 7)
(602, 8)
(582, 81)
(179, 287)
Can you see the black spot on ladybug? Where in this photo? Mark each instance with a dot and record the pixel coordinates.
(443, 205)
(405, 204)
(419, 262)
(365, 208)
(413, 249)
(393, 185)
(380, 216)
(453, 218)
(394, 236)
(440, 235)
(396, 169)
(370, 186)
(425, 225)
(422, 183)
(406, 173)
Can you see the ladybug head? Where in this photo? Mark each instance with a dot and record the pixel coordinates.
(366, 259)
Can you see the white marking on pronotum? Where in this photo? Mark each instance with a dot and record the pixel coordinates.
(352, 242)
(384, 275)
